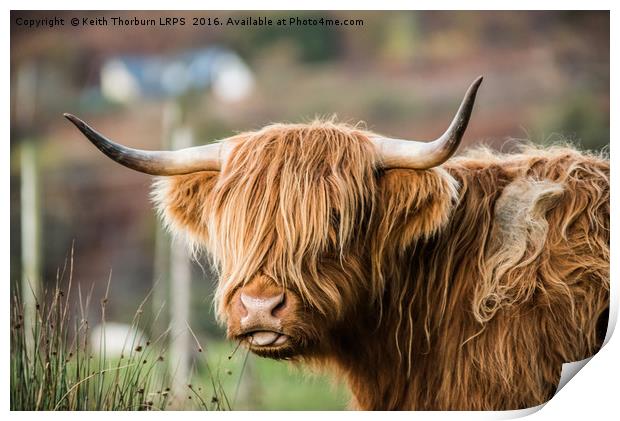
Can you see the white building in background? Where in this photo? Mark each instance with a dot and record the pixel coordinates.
(116, 339)
(128, 78)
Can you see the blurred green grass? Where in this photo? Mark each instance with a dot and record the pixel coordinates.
(264, 384)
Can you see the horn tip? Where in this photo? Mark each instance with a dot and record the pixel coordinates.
(71, 118)
(77, 122)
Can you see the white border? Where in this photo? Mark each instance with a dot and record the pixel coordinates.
(591, 394)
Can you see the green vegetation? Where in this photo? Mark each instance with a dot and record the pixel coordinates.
(264, 384)
(57, 363)
(53, 368)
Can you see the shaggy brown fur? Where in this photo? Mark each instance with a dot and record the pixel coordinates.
(460, 287)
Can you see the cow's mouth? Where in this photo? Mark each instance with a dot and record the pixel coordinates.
(265, 338)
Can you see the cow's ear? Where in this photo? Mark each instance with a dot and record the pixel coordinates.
(182, 202)
(415, 204)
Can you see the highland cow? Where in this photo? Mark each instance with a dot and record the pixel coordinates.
(424, 282)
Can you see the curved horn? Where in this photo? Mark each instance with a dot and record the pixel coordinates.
(411, 154)
(183, 161)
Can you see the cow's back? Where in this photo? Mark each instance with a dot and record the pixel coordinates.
(536, 275)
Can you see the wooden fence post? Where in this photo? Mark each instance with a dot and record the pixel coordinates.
(25, 111)
(173, 270)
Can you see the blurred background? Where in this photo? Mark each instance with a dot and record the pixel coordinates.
(403, 73)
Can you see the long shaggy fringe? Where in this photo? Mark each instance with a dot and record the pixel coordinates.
(461, 287)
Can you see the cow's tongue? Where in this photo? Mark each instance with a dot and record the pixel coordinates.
(264, 338)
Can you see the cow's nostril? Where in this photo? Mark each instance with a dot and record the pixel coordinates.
(261, 307)
(279, 307)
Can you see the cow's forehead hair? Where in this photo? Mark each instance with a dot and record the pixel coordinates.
(289, 195)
